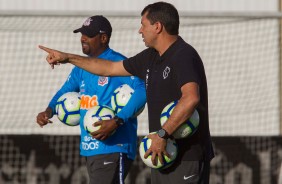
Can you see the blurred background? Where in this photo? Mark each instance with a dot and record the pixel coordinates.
(240, 45)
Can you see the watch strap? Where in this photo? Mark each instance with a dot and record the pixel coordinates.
(162, 133)
(119, 121)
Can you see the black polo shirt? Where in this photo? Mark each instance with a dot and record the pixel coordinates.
(164, 76)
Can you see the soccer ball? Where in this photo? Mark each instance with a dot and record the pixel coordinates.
(187, 128)
(67, 108)
(121, 97)
(94, 114)
(171, 148)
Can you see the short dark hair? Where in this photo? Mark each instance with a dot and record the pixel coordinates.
(165, 13)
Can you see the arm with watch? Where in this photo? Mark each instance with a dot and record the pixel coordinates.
(107, 128)
(136, 102)
(182, 111)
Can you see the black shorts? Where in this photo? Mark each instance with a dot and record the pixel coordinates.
(108, 168)
(184, 172)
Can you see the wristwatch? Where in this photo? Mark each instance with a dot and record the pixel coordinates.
(119, 121)
(163, 134)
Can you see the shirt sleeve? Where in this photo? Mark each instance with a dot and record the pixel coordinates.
(137, 64)
(187, 68)
(70, 85)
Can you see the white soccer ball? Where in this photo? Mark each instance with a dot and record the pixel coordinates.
(120, 98)
(68, 107)
(171, 149)
(187, 128)
(94, 114)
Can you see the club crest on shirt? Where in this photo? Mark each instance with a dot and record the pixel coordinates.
(102, 81)
(166, 72)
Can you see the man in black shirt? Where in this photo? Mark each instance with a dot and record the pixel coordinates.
(172, 70)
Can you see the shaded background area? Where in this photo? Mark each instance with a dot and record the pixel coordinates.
(42, 159)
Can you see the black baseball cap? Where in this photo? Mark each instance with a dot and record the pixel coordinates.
(95, 25)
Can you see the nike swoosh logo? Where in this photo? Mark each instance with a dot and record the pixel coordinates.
(186, 178)
(106, 163)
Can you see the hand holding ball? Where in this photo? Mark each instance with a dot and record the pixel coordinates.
(171, 149)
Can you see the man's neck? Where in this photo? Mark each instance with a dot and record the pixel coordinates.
(98, 52)
(165, 42)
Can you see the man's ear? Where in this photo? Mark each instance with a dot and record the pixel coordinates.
(104, 38)
(159, 27)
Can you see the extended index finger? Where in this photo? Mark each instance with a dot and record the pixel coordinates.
(46, 49)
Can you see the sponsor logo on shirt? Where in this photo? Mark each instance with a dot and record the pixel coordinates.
(86, 101)
(89, 143)
(88, 138)
(102, 81)
(82, 85)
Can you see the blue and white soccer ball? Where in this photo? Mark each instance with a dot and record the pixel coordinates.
(68, 107)
(187, 128)
(120, 98)
(94, 114)
(171, 149)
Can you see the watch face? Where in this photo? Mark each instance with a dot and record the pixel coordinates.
(161, 133)
(118, 120)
